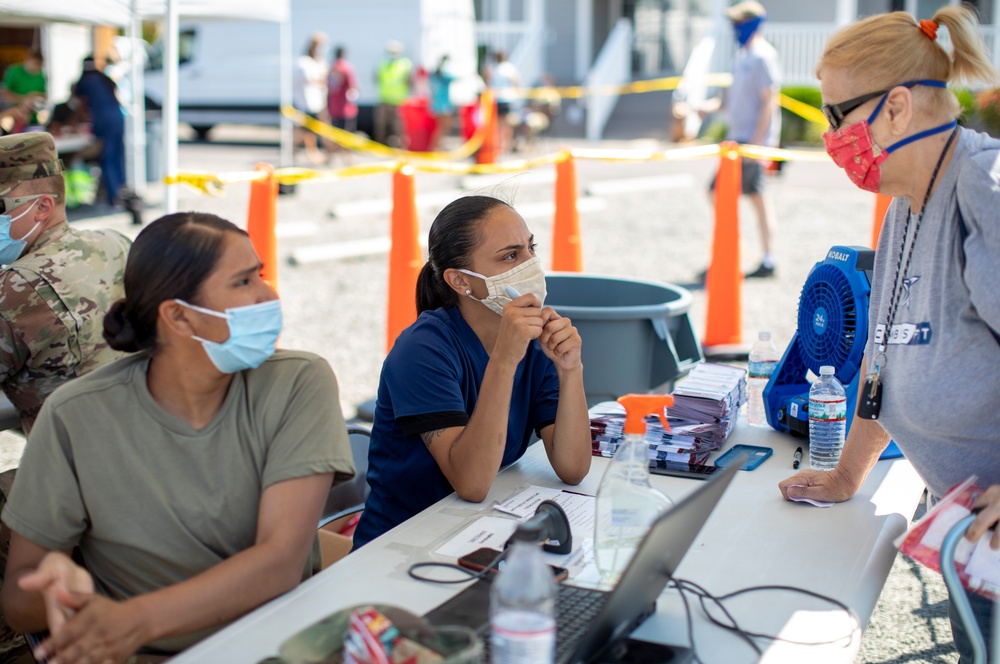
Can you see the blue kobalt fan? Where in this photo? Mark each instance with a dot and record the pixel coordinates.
(832, 329)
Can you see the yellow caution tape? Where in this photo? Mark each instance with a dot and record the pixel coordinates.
(358, 143)
(780, 154)
(678, 154)
(810, 113)
(546, 93)
(214, 183)
(207, 183)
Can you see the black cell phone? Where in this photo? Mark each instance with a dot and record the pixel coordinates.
(480, 558)
(692, 471)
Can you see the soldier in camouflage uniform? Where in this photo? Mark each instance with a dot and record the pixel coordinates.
(56, 283)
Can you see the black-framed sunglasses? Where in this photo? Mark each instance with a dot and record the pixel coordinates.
(9, 203)
(835, 113)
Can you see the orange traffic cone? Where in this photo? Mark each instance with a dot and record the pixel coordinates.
(723, 327)
(487, 152)
(567, 253)
(261, 220)
(881, 207)
(405, 256)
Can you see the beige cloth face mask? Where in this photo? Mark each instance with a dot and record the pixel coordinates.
(528, 277)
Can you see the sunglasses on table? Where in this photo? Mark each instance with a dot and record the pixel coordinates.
(835, 113)
(9, 203)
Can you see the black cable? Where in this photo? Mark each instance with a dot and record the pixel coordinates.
(802, 591)
(706, 599)
(471, 575)
(690, 625)
(699, 592)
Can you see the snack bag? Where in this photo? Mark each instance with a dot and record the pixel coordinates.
(369, 639)
(977, 564)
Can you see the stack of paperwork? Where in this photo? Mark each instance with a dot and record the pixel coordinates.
(705, 409)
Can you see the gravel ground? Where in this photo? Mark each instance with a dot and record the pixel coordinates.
(338, 308)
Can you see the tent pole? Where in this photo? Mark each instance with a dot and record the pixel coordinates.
(285, 59)
(137, 114)
(170, 56)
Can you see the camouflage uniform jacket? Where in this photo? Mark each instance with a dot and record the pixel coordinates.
(52, 305)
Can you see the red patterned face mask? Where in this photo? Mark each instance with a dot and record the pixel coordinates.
(853, 149)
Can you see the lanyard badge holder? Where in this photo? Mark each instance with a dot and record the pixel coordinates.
(871, 395)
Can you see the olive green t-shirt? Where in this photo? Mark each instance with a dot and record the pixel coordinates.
(152, 501)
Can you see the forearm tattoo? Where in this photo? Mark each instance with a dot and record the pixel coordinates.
(429, 436)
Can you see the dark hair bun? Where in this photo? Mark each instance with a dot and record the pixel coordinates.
(118, 331)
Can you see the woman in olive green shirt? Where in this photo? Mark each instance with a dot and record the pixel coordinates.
(191, 474)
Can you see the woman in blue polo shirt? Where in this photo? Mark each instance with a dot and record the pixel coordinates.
(464, 387)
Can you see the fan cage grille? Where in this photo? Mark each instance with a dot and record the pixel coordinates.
(828, 317)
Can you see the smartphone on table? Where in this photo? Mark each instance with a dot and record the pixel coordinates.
(755, 455)
(692, 471)
(480, 558)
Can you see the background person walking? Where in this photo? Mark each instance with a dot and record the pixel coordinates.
(342, 98)
(754, 116)
(393, 78)
(309, 93)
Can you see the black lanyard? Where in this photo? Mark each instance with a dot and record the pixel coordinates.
(897, 287)
(871, 396)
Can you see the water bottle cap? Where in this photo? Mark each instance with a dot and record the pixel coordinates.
(764, 335)
(827, 370)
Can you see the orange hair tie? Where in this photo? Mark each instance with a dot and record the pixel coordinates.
(929, 28)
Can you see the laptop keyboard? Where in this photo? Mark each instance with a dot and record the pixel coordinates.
(576, 609)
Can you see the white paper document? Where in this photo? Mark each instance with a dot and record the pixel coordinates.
(486, 531)
(494, 531)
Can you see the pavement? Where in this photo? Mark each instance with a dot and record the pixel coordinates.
(649, 220)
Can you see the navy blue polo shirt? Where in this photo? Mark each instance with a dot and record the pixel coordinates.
(430, 380)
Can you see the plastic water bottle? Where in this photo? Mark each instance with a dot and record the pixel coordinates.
(763, 359)
(827, 420)
(522, 605)
(626, 503)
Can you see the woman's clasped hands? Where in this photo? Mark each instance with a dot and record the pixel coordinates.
(524, 319)
(83, 626)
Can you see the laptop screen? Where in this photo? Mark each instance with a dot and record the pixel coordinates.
(657, 557)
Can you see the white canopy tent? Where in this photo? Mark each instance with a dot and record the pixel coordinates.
(97, 12)
(130, 14)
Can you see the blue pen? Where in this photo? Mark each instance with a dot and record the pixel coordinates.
(511, 292)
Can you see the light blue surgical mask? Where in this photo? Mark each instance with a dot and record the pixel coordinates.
(11, 249)
(253, 333)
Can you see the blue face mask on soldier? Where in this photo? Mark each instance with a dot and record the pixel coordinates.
(11, 249)
(253, 333)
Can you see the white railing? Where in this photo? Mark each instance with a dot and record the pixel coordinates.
(529, 57)
(612, 67)
(523, 42)
(501, 35)
(800, 45)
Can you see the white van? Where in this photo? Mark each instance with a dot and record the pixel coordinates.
(229, 71)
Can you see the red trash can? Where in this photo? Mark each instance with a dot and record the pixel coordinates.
(418, 124)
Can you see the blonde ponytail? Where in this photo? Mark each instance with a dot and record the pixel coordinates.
(970, 60)
(884, 50)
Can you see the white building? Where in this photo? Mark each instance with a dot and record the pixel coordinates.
(565, 37)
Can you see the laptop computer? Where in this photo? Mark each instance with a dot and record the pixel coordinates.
(589, 622)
